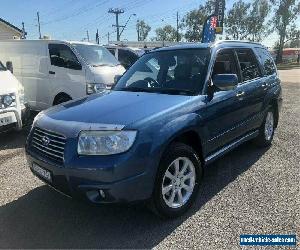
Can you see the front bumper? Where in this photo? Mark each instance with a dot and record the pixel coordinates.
(97, 181)
(20, 117)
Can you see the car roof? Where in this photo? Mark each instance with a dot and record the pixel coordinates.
(230, 43)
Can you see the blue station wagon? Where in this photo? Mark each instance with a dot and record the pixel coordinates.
(172, 113)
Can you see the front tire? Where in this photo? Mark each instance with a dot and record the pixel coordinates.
(267, 129)
(177, 181)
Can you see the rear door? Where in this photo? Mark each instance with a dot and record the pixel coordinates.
(249, 93)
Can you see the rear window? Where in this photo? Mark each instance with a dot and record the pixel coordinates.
(266, 61)
(248, 64)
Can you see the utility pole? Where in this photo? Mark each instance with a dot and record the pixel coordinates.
(87, 35)
(177, 28)
(107, 38)
(39, 24)
(138, 29)
(23, 31)
(117, 12)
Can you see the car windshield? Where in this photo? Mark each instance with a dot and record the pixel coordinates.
(96, 55)
(180, 71)
(2, 68)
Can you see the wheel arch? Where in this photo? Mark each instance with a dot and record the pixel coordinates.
(60, 95)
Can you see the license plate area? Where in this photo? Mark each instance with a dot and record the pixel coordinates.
(41, 172)
(6, 120)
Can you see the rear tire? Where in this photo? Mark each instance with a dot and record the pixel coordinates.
(266, 131)
(177, 181)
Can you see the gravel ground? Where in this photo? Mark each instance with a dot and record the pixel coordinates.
(249, 191)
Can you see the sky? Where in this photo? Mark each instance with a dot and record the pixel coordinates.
(71, 19)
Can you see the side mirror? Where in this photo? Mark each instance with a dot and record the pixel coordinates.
(117, 78)
(9, 66)
(225, 81)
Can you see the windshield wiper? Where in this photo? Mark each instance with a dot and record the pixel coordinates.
(159, 90)
(136, 89)
(104, 64)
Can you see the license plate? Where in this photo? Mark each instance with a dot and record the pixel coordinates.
(41, 172)
(6, 120)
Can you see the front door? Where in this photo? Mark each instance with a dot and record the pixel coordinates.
(221, 114)
(65, 72)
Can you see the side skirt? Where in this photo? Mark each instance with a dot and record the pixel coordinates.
(209, 159)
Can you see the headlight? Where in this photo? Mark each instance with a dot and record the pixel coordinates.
(8, 101)
(92, 88)
(105, 142)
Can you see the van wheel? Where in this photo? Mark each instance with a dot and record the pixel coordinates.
(266, 131)
(61, 99)
(177, 181)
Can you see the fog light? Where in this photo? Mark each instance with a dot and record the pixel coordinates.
(102, 194)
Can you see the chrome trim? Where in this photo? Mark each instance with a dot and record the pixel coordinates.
(231, 146)
(56, 147)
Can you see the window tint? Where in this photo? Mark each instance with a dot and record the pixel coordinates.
(225, 63)
(248, 64)
(126, 57)
(62, 56)
(2, 68)
(112, 51)
(267, 61)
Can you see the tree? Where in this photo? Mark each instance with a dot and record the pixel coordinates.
(285, 15)
(256, 24)
(142, 29)
(167, 33)
(193, 21)
(236, 20)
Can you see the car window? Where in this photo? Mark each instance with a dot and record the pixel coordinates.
(225, 63)
(248, 64)
(2, 68)
(176, 71)
(112, 51)
(62, 56)
(267, 61)
(126, 57)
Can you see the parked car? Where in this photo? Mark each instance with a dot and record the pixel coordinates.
(151, 136)
(13, 110)
(53, 71)
(125, 55)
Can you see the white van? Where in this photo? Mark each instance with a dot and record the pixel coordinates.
(13, 110)
(53, 71)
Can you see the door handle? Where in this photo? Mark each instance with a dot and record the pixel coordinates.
(51, 72)
(239, 94)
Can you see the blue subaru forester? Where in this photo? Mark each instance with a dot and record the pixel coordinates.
(174, 111)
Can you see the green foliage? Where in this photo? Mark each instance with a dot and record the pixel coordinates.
(142, 29)
(286, 13)
(167, 33)
(193, 21)
(247, 21)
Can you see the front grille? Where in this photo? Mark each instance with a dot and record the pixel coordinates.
(48, 144)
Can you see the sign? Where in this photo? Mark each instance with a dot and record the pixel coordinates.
(219, 12)
(208, 33)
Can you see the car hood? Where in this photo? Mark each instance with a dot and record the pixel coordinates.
(114, 107)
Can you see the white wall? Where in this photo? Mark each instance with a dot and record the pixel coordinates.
(7, 32)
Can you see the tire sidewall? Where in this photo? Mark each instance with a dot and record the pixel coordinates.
(175, 151)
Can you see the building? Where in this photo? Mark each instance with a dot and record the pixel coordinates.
(9, 31)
